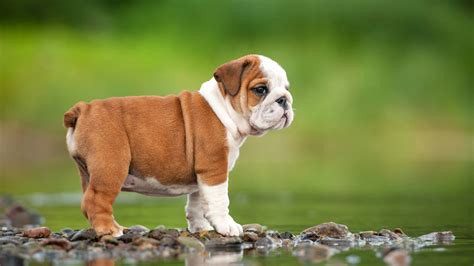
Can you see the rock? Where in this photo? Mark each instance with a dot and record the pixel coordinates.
(67, 232)
(146, 243)
(287, 235)
(399, 232)
(265, 242)
(331, 229)
(58, 242)
(8, 240)
(397, 257)
(159, 233)
(128, 237)
(224, 242)
(391, 235)
(367, 234)
(314, 253)
(38, 232)
(191, 243)
(254, 228)
(169, 241)
(137, 229)
(109, 239)
(446, 236)
(84, 234)
(19, 216)
(250, 237)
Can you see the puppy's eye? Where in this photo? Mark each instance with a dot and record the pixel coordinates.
(260, 90)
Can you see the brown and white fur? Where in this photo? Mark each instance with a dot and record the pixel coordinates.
(176, 145)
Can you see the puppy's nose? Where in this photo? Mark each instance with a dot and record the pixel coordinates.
(282, 102)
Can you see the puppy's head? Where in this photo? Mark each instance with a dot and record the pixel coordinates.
(257, 88)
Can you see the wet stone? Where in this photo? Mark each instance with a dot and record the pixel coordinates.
(399, 232)
(287, 235)
(128, 237)
(67, 232)
(254, 228)
(57, 242)
(38, 232)
(169, 241)
(109, 239)
(84, 234)
(265, 243)
(446, 236)
(159, 233)
(137, 229)
(224, 242)
(250, 237)
(330, 229)
(146, 243)
(191, 243)
(8, 240)
(391, 235)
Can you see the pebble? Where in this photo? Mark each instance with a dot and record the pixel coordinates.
(330, 229)
(265, 243)
(84, 234)
(58, 242)
(250, 237)
(224, 242)
(38, 232)
(446, 236)
(191, 243)
(137, 229)
(254, 228)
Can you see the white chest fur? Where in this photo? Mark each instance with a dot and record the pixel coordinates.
(152, 187)
(234, 146)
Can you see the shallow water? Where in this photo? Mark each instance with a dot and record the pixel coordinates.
(292, 212)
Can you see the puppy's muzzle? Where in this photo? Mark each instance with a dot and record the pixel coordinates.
(282, 101)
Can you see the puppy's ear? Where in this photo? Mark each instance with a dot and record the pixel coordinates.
(230, 75)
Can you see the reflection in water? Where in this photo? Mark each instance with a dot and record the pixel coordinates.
(215, 258)
(101, 262)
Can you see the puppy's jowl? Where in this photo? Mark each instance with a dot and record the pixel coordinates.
(176, 145)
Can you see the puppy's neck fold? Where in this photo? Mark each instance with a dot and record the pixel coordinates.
(235, 123)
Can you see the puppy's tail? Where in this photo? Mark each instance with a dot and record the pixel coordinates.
(71, 116)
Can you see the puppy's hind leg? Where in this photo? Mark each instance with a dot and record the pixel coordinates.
(106, 179)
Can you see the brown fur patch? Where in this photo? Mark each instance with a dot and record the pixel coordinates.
(241, 76)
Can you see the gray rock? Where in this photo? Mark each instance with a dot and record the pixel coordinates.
(191, 243)
(128, 237)
(287, 235)
(9, 240)
(84, 234)
(159, 233)
(250, 237)
(67, 232)
(446, 236)
(224, 242)
(137, 229)
(265, 243)
(331, 229)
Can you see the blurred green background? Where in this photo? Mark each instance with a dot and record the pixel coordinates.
(382, 95)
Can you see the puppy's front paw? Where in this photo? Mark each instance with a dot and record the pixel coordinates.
(199, 225)
(227, 226)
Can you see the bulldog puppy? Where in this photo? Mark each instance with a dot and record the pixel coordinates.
(176, 145)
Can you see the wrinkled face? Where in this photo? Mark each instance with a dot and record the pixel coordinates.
(257, 88)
